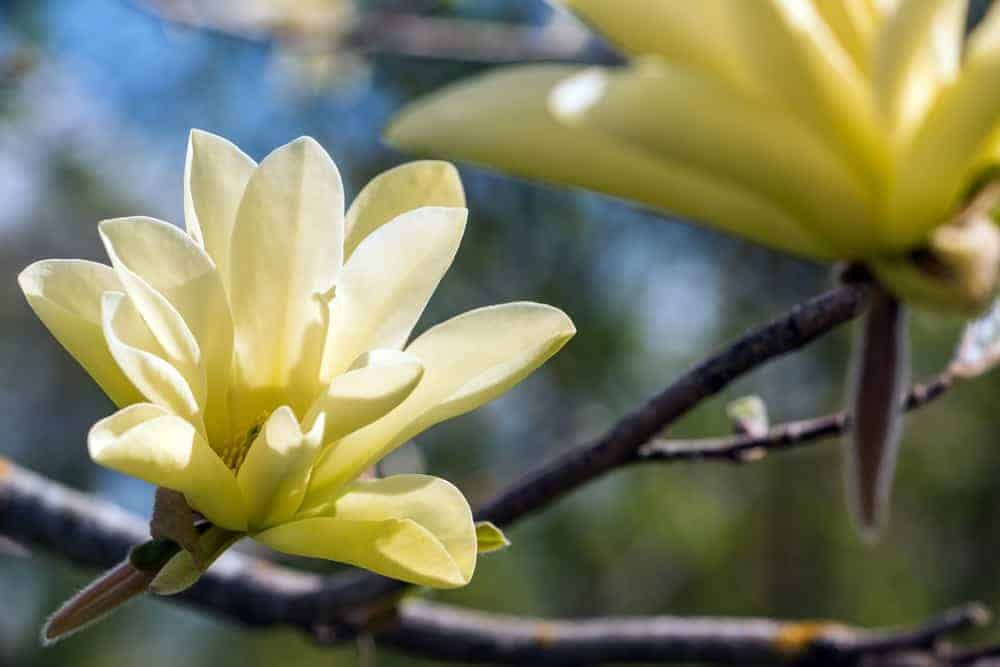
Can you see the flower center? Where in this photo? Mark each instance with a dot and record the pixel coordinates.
(235, 452)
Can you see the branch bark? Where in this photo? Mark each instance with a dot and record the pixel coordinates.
(95, 533)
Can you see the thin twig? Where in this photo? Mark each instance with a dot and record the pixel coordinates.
(92, 532)
(743, 448)
(985, 655)
(621, 445)
(412, 35)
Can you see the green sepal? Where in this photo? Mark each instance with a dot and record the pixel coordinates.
(185, 568)
(151, 556)
(490, 538)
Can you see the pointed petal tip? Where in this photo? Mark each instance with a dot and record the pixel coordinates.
(196, 135)
(30, 278)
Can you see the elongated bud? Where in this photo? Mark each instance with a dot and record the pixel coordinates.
(100, 597)
(879, 379)
(109, 591)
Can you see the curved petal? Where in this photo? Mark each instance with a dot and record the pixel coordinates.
(415, 528)
(694, 34)
(215, 175)
(468, 360)
(401, 189)
(388, 281)
(938, 165)
(275, 473)
(800, 65)
(66, 296)
(286, 248)
(502, 119)
(135, 242)
(688, 118)
(177, 289)
(358, 397)
(855, 24)
(917, 52)
(147, 442)
(135, 353)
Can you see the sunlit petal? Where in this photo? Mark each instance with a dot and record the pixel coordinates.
(947, 150)
(503, 120)
(275, 473)
(918, 52)
(383, 379)
(135, 352)
(694, 34)
(66, 296)
(178, 291)
(215, 175)
(286, 249)
(411, 527)
(694, 120)
(394, 192)
(855, 24)
(147, 442)
(799, 64)
(388, 281)
(468, 361)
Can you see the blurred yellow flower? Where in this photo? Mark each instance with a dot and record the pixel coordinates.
(840, 129)
(261, 362)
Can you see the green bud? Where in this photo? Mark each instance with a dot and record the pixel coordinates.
(490, 538)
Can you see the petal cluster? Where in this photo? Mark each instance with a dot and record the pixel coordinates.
(833, 130)
(261, 360)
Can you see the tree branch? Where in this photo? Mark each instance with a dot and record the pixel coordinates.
(621, 445)
(95, 533)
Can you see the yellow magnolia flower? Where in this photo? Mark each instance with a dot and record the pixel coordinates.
(830, 129)
(261, 363)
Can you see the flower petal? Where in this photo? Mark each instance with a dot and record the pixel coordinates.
(800, 65)
(946, 151)
(66, 296)
(694, 34)
(136, 353)
(286, 248)
(388, 281)
(688, 118)
(147, 442)
(215, 175)
(394, 192)
(179, 293)
(855, 24)
(275, 473)
(358, 397)
(917, 52)
(503, 120)
(468, 360)
(415, 528)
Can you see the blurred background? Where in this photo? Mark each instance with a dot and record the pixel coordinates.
(96, 101)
